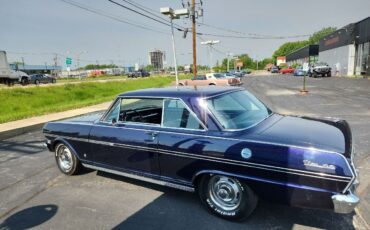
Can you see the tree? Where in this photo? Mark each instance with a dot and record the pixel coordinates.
(149, 68)
(288, 48)
(317, 36)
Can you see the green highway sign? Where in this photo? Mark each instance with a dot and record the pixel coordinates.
(68, 61)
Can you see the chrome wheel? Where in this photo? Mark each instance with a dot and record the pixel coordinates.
(225, 192)
(65, 159)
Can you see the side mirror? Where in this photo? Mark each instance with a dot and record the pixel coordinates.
(114, 121)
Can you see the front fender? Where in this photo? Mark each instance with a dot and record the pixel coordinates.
(64, 141)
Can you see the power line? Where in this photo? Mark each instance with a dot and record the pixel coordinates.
(104, 14)
(137, 12)
(147, 10)
(250, 35)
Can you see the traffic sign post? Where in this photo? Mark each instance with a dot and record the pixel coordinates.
(68, 63)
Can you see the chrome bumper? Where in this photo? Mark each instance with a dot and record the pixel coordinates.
(345, 203)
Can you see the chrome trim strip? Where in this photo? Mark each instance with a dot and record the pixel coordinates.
(142, 178)
(119, 98)
(219, 160)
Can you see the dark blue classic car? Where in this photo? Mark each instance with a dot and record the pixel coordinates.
(219, 141)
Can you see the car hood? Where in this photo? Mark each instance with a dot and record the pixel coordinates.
(86, 118)
(306, 132)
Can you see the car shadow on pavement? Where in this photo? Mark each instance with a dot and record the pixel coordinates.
(176, 209)
(26, 147)
(29, 217)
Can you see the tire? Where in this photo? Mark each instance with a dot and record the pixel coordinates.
(24, 81)
(37, 82)
(314, 74)
(212, 84)
(67, 162)
(329, 74)
(53, 81)
(215, 192)
(180, 84)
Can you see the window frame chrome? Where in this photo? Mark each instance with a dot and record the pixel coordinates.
(120, 98)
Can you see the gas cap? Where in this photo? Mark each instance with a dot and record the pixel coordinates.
(246, 153)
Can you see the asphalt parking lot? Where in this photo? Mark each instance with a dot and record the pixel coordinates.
(33, 194)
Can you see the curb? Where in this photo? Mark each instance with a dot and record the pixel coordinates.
(19, 131)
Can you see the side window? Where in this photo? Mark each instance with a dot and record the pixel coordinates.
(113, 113)
(176, 115)
(141, 110)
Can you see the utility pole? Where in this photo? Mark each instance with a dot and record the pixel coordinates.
(56, 65)
(23, 62)
(194, 38)
(210, 43)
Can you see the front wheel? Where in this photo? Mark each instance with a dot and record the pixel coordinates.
(227, 197)
(37, 82)
(67, 162)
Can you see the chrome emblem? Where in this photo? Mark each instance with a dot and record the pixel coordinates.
(246, 153)
(317, 165)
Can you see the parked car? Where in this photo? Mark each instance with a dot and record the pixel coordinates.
(320, 69)
(287, 70)
(221, 142)
(230, 75)
(274, 69)
(140, 73)
(42, 78)
(299, 71)
(211, 79)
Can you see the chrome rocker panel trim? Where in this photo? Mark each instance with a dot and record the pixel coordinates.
(141, 178)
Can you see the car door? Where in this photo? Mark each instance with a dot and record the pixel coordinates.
(126, 138)
(180, 140)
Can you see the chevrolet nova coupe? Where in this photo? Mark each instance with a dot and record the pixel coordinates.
(221, 142)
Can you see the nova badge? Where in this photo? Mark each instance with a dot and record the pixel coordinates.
(317, 165)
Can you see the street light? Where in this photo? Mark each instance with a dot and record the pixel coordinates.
(174, 14)
(210, 43)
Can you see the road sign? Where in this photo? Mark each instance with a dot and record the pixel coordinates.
(68, 61)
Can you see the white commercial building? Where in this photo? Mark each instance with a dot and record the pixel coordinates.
(347, 49)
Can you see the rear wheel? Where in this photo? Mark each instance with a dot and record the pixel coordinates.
(329, 74)
(227, 197)
(37, 82)
(67, 162)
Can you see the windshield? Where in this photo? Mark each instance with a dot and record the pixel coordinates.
(237, 110)
(217, 75)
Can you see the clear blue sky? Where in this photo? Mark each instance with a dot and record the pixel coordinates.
(34, 29)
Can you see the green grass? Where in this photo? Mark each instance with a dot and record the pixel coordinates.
(19, 103)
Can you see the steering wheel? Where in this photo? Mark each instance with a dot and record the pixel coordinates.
(123, 114)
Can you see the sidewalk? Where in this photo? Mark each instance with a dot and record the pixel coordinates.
(19, 127)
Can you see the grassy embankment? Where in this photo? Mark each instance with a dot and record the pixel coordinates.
(19, 103)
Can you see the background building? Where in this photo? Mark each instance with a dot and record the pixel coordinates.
(363, 47)
(308, 54)
(338, 51)
(280, 60)
(156, 59)
(37, 69)
(347, 49)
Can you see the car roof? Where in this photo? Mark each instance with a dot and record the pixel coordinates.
(182, 92)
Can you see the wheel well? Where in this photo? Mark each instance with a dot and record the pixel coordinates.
(212, 84)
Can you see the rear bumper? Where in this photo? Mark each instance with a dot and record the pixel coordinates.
(238, 84)
(345, 203)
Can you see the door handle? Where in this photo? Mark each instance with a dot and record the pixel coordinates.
(153, 134)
